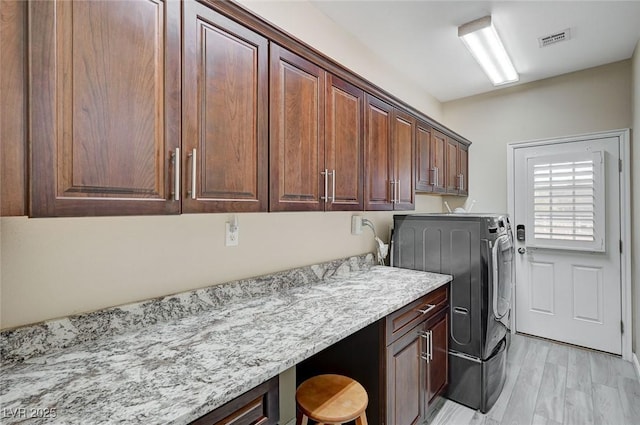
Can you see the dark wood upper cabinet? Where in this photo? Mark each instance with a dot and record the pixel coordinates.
(457, 155)
(378, 155)
(297, 132)
(344, 151)
(104, 107)
(404, 126)
(389, 157)
(224, 114)
(259, 121)
(441, 161)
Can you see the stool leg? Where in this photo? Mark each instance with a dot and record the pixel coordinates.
(362, 419)
(301, 419)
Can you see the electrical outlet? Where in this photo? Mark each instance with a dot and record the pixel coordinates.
(232, 235)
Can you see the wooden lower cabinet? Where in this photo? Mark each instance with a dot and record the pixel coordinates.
(437, 367)
(401, 360)
(258, 406)
(406, 379)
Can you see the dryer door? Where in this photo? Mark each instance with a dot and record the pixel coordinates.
(502, 274)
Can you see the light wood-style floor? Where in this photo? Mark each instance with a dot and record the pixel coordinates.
(550, 383)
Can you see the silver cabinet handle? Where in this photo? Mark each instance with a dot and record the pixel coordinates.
(193, 156)
(435, 176)
(393, 191)
(461, 181)
(398, 190)
(428, 355)
(333, 186)
(431, 344)
(175, 158)
(325, 173)
(428, 309)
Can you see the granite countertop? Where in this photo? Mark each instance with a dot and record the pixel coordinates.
(177, 370)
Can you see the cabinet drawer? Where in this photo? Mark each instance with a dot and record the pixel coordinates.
(258, 406)
(400, 321)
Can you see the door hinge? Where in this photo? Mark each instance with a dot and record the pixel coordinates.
(620, 165)
(621, 327)
(620, 246)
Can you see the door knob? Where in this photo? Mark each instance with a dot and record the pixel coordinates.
(521, 250)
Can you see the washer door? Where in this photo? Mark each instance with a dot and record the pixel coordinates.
(502, 274)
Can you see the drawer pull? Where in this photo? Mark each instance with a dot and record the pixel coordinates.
(428, 309)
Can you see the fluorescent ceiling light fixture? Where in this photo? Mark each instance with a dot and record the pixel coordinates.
(482, 40)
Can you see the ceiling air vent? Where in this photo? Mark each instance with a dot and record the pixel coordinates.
(555, 38)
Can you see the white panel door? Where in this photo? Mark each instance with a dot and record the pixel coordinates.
(568, 279)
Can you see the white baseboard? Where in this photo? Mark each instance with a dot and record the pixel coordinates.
(636, 364)
(291, 422)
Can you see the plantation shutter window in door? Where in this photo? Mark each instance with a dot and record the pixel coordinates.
(566, 202)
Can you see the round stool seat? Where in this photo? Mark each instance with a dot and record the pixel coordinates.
(332, 399)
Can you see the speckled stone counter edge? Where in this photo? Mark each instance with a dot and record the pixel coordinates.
(53, 335)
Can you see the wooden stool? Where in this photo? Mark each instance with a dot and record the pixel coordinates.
(331, 399)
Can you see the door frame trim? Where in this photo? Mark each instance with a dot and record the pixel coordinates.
(623, 136)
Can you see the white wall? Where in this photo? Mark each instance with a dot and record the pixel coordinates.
(635, 185)
(301, 19)
(592, 100)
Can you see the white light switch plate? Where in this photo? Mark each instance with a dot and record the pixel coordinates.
(356, 225)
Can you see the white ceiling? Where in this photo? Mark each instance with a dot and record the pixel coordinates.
(419, 38)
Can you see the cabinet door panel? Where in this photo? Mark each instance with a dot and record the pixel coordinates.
(13, 108)
(344, 152)
(378, 159)
(105, 106)
(451, 167)
(297, 127)
(438, 366)
(423, 154)
(224, 113)
(405, 374)
(438, 152)
(403, 160)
